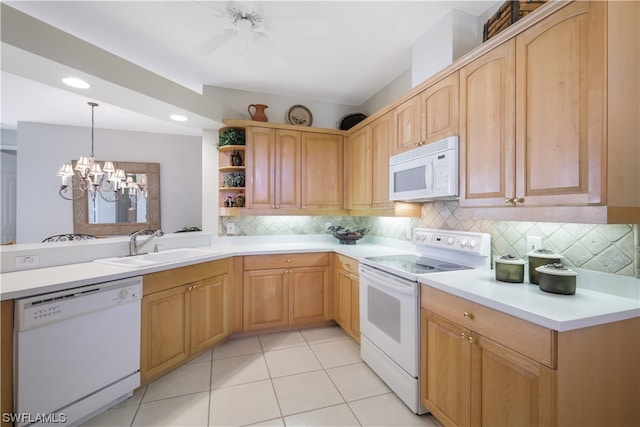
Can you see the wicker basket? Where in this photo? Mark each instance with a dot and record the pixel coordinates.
(509, 13)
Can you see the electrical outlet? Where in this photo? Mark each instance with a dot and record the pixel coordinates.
(326, 226)
(231, 228)
(27, 261)
(533, 243)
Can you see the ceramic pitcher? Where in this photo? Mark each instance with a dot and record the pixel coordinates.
(258, 112)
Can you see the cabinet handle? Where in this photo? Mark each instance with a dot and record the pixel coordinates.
(304, 207)
(463, 336)
(288, 259)
(514, 201)
(273, 206)
(471, 340)
(468, 315)
(277, 206)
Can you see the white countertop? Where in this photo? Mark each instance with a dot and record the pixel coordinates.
(26, 283)
(587, 307)
(526, 301)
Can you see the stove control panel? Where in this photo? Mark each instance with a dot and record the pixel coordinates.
(451, 239)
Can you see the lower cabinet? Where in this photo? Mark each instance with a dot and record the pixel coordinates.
(184, 311)
(289, 289)
(347, 296)
(483, 367)
(470, 380)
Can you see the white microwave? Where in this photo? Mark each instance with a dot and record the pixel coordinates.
(425, 173)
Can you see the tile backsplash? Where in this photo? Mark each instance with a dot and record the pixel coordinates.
(607, 248)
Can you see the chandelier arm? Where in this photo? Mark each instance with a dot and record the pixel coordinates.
(64, 188)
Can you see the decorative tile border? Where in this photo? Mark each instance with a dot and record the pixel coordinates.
(608, 248)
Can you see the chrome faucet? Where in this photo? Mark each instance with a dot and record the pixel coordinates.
(134, 247)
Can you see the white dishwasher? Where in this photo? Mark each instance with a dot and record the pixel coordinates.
(77, 352)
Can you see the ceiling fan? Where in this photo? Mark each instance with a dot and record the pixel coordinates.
(245, 20)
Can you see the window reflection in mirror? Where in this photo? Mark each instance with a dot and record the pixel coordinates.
(131, 207)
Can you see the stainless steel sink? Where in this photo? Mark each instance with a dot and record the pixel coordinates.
(158, 258)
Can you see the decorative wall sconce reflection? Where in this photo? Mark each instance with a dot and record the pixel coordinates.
(88, 176)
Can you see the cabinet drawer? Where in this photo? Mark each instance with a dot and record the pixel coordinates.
(526, 338)
(347, 264)
(262, 262)
(167, 279)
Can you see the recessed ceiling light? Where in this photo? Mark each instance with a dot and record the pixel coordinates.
(178, 118)
(75, 82)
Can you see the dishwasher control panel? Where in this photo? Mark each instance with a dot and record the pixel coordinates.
(44, 309)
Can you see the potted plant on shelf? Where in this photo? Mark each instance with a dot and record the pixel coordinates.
(231, 136)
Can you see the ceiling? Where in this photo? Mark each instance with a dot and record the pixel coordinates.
(339, 52)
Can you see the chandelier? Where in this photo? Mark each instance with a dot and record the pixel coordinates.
(87, 176)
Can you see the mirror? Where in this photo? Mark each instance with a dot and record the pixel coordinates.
(135, 211)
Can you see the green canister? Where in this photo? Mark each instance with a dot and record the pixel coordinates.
(538, 258)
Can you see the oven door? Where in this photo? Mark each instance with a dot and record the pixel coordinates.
(389, 316)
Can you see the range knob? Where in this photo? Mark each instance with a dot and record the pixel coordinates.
(464, 242)
(473, 243)
(450, 240)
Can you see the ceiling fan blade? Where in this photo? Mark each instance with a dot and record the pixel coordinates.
(217, 41)
(298, 26)
(268, 50)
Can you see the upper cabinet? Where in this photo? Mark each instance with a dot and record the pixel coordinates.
(367, 165)
(322, 171)
(428, 116)
(440, 112)
(487, 128)
(536, 117)
(291, 171)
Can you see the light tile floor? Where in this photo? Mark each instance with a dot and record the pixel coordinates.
(310, 377)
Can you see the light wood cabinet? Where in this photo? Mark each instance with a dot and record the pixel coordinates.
(534, 113)
(322, 172)
(283, 290)
(273, 169)
(487, 128)
(428, 116)
(440, 109)
(293, 172)
(183, 313)
(347, 295)
(408, 125)
(470, 380)
(367, 165)
(480, 366)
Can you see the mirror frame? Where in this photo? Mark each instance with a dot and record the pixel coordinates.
(81, 205)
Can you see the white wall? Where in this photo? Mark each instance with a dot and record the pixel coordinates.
(43, 148)
(399, 86)
(325, 115)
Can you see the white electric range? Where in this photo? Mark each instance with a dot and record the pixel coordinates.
(390, 303)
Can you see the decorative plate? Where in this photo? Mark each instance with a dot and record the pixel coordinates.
(299, 115)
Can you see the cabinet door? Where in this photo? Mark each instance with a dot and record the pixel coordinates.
(260, 168)
(343, 302)
(208, 312)
(445, 367)
(308, 294)
(288, 169)
(355, 307)
(407, 117)
(487, 128)
(560, 105)
(322, 171)
(359, 170)
(440, 109)
(265, 299)
(381, 136)
(509, 389)
(164, 340)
